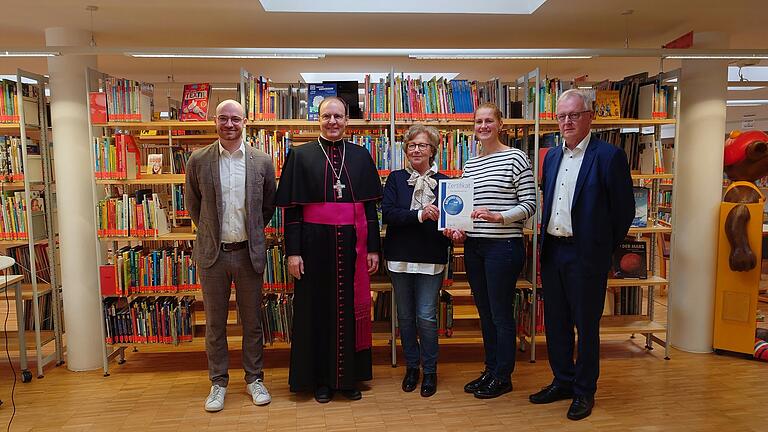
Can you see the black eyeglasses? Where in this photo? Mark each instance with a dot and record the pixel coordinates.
(573, 116)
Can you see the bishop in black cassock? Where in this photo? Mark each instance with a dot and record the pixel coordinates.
(331, 341)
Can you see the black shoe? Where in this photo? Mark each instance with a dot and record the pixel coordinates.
(581, 407)
(493, 389)
(323, 394)
(351, 394)
(475, 384)
(429, 384)
(551, 393)
(411, 379)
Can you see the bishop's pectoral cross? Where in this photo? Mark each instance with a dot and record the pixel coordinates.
(338, 187)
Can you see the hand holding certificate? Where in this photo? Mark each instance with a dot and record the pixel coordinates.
(455, 199)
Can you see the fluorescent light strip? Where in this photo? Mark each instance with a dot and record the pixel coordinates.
(745, 88)
(717, 57)
(29, 54)
(496, 57)
(228, 56)
(507, 7)
(747, 102)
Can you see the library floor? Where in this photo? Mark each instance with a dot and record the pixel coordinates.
(160, 391)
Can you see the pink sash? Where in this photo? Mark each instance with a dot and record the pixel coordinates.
(331, 213)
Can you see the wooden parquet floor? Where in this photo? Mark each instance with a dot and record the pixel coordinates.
(638, 391)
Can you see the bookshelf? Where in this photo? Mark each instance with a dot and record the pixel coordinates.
(29, 224)
(380, 132)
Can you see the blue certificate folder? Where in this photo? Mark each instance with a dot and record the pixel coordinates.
(316, 93)
(456, 201)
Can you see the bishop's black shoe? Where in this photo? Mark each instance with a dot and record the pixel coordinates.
(581, 407)
(551, 393)
(475, 384)
(323, 394)
(429, 384)
(493, 389)
(411, 379)
(352, 394)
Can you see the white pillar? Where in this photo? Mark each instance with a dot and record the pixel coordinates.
(74, 200)
(698, 189)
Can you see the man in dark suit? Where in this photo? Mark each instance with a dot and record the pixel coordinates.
(230, 192)
(588, 207)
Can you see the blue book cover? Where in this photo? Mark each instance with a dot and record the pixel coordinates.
(316, 94)
(641, 207)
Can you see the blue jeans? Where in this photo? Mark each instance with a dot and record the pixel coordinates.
(416, 296)
(493, 266)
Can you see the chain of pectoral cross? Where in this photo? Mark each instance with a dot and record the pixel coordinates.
(338, 186)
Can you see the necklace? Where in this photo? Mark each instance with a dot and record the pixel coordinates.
(338, 187)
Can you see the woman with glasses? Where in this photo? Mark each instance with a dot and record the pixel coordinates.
(416, 254)
(494, 252)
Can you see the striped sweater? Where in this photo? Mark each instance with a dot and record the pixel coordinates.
(503, 183)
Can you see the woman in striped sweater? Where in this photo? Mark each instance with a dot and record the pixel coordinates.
(494, 252)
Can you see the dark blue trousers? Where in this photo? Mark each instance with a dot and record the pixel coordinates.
(493, 266)
(572, 298)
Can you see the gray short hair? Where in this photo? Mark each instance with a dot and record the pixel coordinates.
(581, 94)
(432, 134)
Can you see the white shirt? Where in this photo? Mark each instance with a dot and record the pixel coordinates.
(415, 268)
(232, 178)
(565, 185)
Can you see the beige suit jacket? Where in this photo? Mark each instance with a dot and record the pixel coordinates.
(203, 199)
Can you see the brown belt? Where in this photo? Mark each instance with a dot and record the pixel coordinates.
(229, 247)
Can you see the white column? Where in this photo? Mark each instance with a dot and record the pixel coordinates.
(696, 202)
(74, 199)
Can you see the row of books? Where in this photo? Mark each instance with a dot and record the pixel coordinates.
(163, 159)
(138, 270)
(276, 277)
(167, 320)
(120, 99)
(116, 157)
(13, 216)
(265, 102)
(45, 311)
(9, 102)
(277, 317)
(623, 301)
(11, 159)
(22, 265)
(259, 100)
(436, 98)
(524, 303)
(549, 91)
(275, 143)
(178, 201)
(276, 225)
(140, 215)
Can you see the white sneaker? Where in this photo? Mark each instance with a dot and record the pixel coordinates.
(259, 392)
(215, 400)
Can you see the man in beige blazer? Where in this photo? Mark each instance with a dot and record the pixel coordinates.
(230, 190)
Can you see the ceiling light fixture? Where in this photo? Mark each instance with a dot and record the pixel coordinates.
(226, 56)
(29, 53)
(747, 102)
(505, 7)
(716, 57)
(495, 57)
